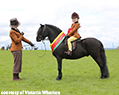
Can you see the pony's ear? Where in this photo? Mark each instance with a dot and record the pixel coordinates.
(41, 25)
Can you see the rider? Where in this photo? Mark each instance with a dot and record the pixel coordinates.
(72, 32)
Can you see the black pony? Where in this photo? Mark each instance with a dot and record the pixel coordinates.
(85, 47)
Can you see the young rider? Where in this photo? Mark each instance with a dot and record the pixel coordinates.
(72, 32)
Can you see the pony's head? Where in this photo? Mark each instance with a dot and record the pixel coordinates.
(49, 31)
(41, 34)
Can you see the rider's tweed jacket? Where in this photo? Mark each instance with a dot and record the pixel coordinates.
(74, 32)
(16, 38)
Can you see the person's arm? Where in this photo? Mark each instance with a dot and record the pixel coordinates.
(15, 38)
(27, 41)
(74, 29)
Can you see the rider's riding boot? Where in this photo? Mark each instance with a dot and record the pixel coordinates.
(69, 52)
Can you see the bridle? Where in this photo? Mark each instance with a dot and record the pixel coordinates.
(43, 43)
(40, 36)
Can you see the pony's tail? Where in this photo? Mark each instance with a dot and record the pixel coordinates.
(103, 57)
(102, 54)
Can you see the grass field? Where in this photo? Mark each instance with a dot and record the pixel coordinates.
(80, 77)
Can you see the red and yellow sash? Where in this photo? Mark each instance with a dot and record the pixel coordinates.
(57, 41)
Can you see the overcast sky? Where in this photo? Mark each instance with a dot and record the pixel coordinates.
(98, 18)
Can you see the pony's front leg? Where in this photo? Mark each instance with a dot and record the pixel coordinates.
(59, 61)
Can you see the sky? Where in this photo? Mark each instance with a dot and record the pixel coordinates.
(98, 18)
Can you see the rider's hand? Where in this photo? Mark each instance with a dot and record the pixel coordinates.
(66, 36)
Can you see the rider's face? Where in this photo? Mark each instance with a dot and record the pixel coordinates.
(75, 19)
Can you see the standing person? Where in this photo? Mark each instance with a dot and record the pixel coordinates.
(16, 47)
(72, 32)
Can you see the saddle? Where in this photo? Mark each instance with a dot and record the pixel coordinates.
(73, 43)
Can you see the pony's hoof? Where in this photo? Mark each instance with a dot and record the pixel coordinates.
(58, 78)
(104, 77)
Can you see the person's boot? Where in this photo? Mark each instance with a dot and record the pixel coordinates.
(15, 77)
(69, 52)
(19, 77)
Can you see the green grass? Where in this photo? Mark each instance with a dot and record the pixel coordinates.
(80, 77)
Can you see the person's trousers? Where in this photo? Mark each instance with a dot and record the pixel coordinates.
(69, 42)
(17, 61)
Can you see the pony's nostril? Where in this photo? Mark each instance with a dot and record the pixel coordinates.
(38, 39)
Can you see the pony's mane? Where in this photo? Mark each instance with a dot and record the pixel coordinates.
(54, 27)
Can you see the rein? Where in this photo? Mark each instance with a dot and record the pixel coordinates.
(44, 52)
(36, 51)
